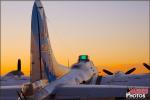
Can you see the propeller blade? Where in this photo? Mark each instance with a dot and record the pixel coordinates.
(107, 72)
(130, 71)
(146, 66)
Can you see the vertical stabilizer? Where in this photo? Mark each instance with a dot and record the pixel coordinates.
(19, 65)
(43, 63)
(41, 52)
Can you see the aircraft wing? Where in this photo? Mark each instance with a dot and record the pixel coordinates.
(126, 80)
(90, 92)
(11, 87)
(9, 92)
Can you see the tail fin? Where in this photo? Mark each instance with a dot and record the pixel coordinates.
(43, 62)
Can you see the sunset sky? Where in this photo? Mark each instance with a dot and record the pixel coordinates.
(115, 34)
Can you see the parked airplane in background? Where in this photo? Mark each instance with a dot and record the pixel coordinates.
(17, 72)
(50, 80)
(127, 79)
(15, 77)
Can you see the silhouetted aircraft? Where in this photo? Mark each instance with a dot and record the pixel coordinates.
(15, 77)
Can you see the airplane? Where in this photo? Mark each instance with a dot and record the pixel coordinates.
(128, 79)
(17, 72)
(12, 82)
(15, 77)
(53, 81)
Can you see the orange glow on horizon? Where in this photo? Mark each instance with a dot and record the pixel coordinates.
(140, 69)
(115, 35)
